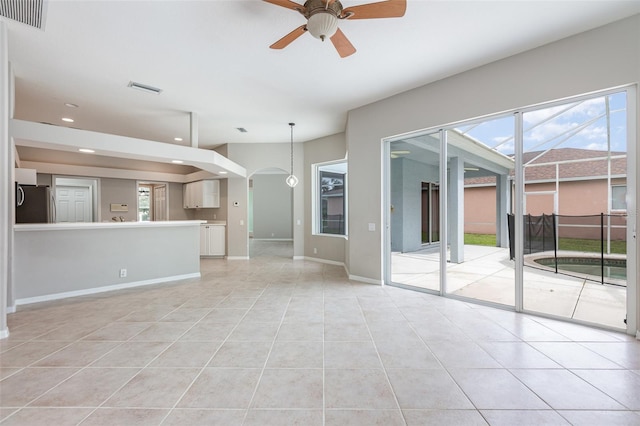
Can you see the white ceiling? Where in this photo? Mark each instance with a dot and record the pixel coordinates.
(213, 58)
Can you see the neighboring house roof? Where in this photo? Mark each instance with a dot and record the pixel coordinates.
(568, 167)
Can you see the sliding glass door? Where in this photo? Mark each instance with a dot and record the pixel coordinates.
(575, 238)
(480, 165)
(414, 211)
(527, 210)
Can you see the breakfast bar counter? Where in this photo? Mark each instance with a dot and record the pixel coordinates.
(57, 260)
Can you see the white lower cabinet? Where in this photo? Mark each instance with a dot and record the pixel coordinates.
(212, 240)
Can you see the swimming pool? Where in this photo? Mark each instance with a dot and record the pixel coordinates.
(613, 268)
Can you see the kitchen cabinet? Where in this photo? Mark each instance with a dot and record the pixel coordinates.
(212, 240)
(201, 194)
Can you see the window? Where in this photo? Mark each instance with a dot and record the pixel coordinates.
(330, 198)
(144, 203)
(618, 197)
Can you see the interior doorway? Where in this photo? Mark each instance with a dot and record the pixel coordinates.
(153, 203)
(270, 214)
(73, 204)
(75, 199)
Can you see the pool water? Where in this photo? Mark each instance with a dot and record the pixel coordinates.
(613, 268)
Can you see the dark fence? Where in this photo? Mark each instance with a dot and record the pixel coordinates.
(593, 235)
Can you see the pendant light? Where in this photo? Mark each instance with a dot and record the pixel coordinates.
(291, 179)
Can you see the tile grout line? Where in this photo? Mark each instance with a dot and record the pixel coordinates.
(210, 358)
(264, 366)
(384, 368)
(140, 369)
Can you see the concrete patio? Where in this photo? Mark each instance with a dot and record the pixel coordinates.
(487, 274)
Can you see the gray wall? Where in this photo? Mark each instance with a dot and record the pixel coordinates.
(176, 211)
(254, 158)
(603, 58)
(50, 261)
(330, 148)
(406, 197)
(271, 207)
(118, 191)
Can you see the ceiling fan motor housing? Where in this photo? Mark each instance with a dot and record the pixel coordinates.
(322, 18)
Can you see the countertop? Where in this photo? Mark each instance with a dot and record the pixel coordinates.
(104, 225)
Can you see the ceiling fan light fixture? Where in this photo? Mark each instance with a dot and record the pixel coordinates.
(322, 25)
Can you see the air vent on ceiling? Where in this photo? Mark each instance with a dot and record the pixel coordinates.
(29, 12)
(241, 129)
(144, 87)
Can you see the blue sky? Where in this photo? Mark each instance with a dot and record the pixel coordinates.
(575, 125)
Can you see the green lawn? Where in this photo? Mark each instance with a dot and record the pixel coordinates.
(576, 244)
(569, 244)
(480, 239)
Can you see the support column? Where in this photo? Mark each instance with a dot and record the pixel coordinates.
(6, 182)
(456, 209)
(502, 209)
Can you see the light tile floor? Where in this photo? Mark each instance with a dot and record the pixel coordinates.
(272, 341)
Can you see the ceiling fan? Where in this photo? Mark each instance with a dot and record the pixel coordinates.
(323, 15)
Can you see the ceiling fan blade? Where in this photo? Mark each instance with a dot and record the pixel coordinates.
(382, 9)
(288, 4)
(286, 40)
(342, 44)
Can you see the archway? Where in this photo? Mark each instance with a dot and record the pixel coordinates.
(270, 214)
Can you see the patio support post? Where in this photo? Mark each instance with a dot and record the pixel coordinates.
(456, 198)
(502, 205)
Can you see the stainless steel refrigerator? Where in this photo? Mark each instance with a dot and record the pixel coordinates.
(33, 204)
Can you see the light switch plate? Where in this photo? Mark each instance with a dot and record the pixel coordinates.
(372, 227)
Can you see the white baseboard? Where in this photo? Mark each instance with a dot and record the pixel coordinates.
(299, 258)
(317, 259)
(4, 333)
(237, 257)
(11, 309)
(95, 290)
(365, 280)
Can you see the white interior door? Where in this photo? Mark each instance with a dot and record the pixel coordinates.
(74, 204)
(160, 202)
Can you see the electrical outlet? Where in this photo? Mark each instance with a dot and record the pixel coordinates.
(123, 273)
(315, 250)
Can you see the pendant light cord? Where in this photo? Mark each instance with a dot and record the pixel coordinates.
(291, 125)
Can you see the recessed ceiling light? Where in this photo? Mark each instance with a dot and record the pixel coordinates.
(177, 161)
(70, 105)
(222, 173)
(177, 139)
(67, 119)
(86, 150)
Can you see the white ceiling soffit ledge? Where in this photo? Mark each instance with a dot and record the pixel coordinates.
(38, 135)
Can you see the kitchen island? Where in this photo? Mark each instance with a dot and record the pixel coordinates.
(57, 260)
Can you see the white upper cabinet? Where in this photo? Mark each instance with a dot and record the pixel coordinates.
(201, 194)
